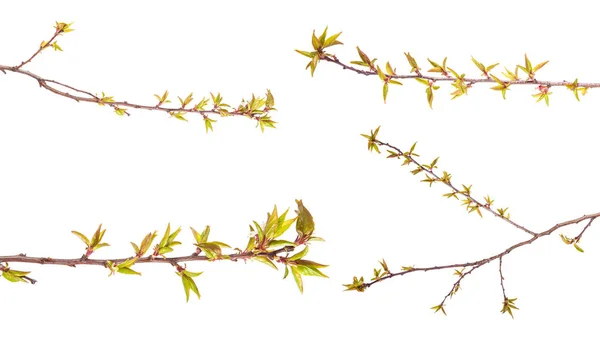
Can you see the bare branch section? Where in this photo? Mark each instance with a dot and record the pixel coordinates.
(264, 245)
(256, 108)
(440, 72)
(473, 205)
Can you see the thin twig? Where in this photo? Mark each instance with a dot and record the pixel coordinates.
(454, 189)
(40, 49)
(502, 278)
(578, 237)
(456, 285)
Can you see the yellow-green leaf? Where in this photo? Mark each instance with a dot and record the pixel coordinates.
(300, 254)
(298, 279)
(265, 261)
(385, 91)
(82, 237)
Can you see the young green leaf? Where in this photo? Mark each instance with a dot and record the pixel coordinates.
(305, 225)
(265, 261)
(385, 92)
(332, 40)
(438, 308)
(297, 278)
(413, 63)
(283, 225)
(310, 271)
(300, 254)
(208, 123)
(82, 237)
(188, 284)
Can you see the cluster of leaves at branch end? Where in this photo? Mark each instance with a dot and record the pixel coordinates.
(15, 276)
(319, 45)
(572, 241)
(264, 241)
(358, 284)
(60, 29)
(508, 305)
(387, 78)
(188, 282)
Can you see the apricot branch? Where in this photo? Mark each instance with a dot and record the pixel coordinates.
(256, 108)
(264, 245)
(60, 29)
(471, 203)
(360, 285)
(459, 81)
(455, 287)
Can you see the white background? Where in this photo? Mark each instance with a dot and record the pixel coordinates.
(70, 166)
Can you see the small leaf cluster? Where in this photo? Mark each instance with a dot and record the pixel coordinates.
(576, 89)
(264, 238)
(381, 272)
(212, 249)
(14, 276)
(387, 78)
(300, 267)
(319, 45)
(167, 242)
(60, 29)
(365, 61)
(572, 241)
(123, 267)
(358, 284)
(508, 305)
(94, 243)
(145, 245)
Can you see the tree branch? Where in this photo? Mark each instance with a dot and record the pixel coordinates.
(89, 97)
(22, 258)
(433, 177)
(446, 74)
(335, 60)
(472, 205)
(256, 108)
(481, 262)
